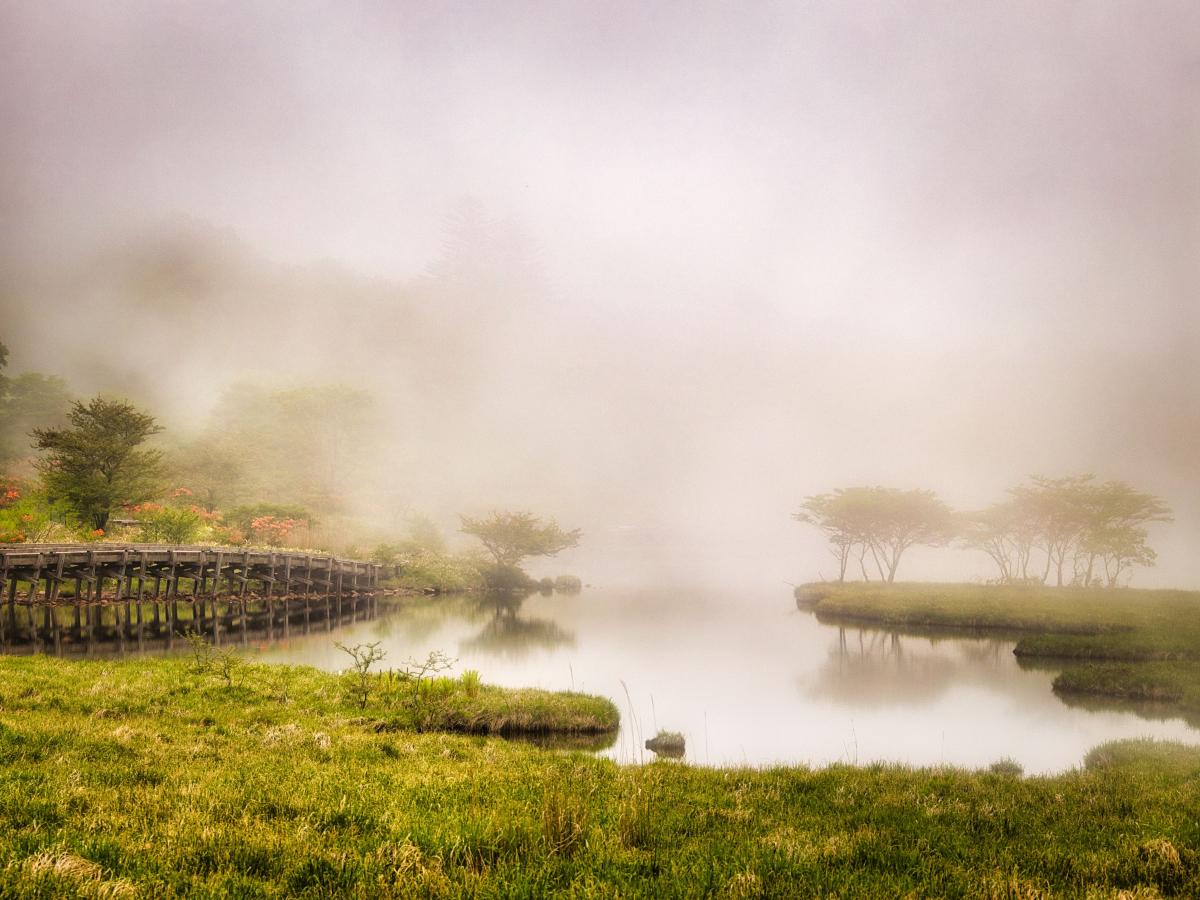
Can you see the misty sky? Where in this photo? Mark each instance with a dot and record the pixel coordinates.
(764, 249)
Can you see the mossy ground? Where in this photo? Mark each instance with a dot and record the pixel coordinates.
(149, 778)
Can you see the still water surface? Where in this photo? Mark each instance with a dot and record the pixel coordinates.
(750, 680)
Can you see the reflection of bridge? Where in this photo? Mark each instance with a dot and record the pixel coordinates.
(76, 595)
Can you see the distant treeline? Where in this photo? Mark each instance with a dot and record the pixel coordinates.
(1075, 529)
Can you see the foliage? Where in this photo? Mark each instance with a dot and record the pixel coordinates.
(513, 536)
(32, 400)
(264, 524)
(243, 517)
(416, 671)
(470, 683)
(303, 446)
(167, 524)
(568, 584)
(96, 464)
(1080, 530)
(884, 522)
(29, 515)
(507, 579)
(213, 471)
(432, 572)
(1097, 529)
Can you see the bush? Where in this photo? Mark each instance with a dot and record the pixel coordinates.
(568, 584)
(425, 571)
(30, 517)
(167, 524)
(1007, 767)
(507, 579)
(242, 517)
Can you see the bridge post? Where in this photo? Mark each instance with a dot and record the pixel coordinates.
(242, 593)
(4, 588)
(172, 598)
(287, 595)
(141, 599)
(270, 601)
(93, 602)
(216, 589)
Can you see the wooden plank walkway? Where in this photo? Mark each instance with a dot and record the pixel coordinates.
(67, 598)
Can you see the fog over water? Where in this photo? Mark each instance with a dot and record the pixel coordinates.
(658, 270)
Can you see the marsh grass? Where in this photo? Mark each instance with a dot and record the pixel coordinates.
(145, 778)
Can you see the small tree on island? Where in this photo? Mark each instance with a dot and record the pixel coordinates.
(511, 537)
(95, 465)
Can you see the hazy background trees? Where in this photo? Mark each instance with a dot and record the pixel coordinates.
(1067, 530)
(1087, 532)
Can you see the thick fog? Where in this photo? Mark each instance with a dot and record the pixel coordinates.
(657, 270)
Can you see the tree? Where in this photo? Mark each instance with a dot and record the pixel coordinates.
(33, 401)
(1007, 532)
(95, 465)
(1115, 532)
(884, 522)
(512, 536)
(1072, 520)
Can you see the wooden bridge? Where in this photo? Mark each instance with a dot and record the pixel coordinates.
(70, 598)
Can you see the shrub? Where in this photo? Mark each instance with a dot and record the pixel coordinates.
(507, 579)
(426, 571)
(568, 584)
(1007, 767)
(28, 516)
(167, 524)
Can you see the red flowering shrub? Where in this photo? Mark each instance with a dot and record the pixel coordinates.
(272, 531)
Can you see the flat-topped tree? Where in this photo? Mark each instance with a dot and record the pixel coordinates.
(882, 522)
(513, 536)
(96, 463)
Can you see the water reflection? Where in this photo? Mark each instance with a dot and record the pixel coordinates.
(874, 668)
(508, 633)
(746, 680)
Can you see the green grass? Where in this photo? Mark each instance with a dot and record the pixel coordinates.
(148, 778)
(1124, 644)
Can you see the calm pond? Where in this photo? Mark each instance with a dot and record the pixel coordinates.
(751, 680)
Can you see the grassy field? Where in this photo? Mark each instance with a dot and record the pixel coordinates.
(1123, 645)
(156, 778)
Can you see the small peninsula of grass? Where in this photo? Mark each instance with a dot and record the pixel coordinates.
(149, 778)
(1117, 644)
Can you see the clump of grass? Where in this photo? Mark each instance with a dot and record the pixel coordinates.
(470, 682)
(565, 820)
(1007, 767)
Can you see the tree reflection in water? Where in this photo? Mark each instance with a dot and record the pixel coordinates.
(507, 633)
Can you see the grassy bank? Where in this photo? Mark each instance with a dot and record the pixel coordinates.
(145, 778)
(1126, 644)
